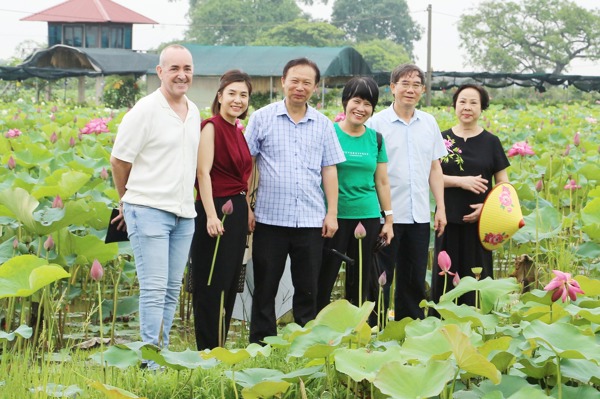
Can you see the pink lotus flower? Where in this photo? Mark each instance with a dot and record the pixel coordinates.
(54, 109)
(15, 243)
(104, 174)
(572, 185)
(57, 203)
(520, 148)
(12, 133)
(96, 272)
(11, 163)
(49, 243)
(71, 142)
(339, 117)
(382, 280)
(227, 208)
(577, 139)
(53, 137)
(539, 186)
(359, 231)
(96, 126)
(444, 263)
(567, 150)
(52, 117)
(590, 119)
(455, 279)
(563, 286)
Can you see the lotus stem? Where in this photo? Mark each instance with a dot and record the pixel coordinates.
(212, 266)
(221, 320)
(114, 318)
(101, 330)
(360, 272)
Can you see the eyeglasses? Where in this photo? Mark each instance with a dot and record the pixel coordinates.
(407, 85)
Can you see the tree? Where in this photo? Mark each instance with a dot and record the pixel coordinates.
(537, 36)
(301, 32)
(237, 22)
(382, 55)
(364, 20)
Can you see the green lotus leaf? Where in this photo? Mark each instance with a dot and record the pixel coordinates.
(118, 357)
(466, 355)
(320, 342)
(503, 361)
(590, 170)
(308, 372)
(490, 291)
(112, 392)
(126, 305)
(409, 382)
(58, 391)
(362, 363)
(590, 215)
(234, 356)
(539, 225)
(23, 275)
(580, 392)
(342, 316)
(6, 250)
(187, 359)
(62, 182)
(582, 370)
(252, 376)
(591, 287)
(19, 205)
(394, 330)
(589, 249)
(33, 155)
(463, 313)
(87, 247)
(564, 338)
(510, 387)
(537, 369)
(23, 331)
(539, 296)
(426, 346)
(265, 389)
(591, 314)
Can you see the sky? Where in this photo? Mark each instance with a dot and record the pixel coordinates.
(446, 54)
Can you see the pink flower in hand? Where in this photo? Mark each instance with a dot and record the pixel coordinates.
(359, 231)
(227, 208)
(96, 272)
(563, 286)
(339, 117)
(521, 148)
(444, 263)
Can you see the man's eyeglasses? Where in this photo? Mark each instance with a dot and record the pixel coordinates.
(407, 85)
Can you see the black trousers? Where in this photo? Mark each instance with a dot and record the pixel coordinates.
(407, 254)
(228, 265)
(345, 242)
(271, 246)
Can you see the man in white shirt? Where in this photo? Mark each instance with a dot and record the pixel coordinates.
(154, 166)
(414, 146)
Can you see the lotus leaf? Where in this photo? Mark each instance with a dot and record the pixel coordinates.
(400, 381)
(23, 275)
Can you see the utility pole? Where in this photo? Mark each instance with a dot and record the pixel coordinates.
(428, 79)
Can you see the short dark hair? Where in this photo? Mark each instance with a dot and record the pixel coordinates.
(229, 77)
(406, 69)
(484, 97)
(363, 87)
(302, 61)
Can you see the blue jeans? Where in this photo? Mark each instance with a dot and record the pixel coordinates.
(161, 244)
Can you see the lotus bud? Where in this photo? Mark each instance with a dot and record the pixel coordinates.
(539, 186)
(71, 142)
(57, 203)
(11, 163)
(577, 139)
(96, 272)
(103, 174)
(49, 243)
(359, 231)
(455, 279)
(15, 243)
(54, 108)
(382, 280)
(52, 117)
(53, 137)
(227, 208)
(567, 150)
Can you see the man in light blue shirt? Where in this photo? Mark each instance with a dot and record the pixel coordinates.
(296, 150)
(414, 146)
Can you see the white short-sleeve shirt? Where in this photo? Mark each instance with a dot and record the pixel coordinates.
(411, 147)
(163, 151)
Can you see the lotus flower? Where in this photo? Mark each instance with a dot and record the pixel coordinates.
(455, 279)
(49, 243)
(563, 286)
(57, 203)
(53, 137)
(96, 126)
(572, 185)
(339, 117)
(539, 186)
(444, 263)
(54, 109)
(11, 163)
(567, 150)
(382, 280)
(577, 139)
(71, 142)
(104, 174)
(591, 120)
(96, 272)
(359, 231)
(15, 243)
(227, 208)
(12, 133)
(521, 148)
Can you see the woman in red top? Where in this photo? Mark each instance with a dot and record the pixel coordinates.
(224, 168)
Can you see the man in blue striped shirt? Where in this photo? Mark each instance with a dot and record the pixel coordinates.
(295, 149)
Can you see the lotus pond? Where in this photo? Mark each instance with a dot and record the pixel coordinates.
(64, 334)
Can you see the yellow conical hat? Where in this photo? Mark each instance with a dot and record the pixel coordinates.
(501, 216)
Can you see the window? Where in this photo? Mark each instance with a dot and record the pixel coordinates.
(92, 36)
(73, 35)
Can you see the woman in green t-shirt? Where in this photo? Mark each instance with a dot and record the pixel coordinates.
(364, 192)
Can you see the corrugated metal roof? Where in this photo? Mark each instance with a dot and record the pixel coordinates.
(90, 11)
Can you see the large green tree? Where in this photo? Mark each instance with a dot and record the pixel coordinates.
(382, 55)
(364, 20)
(301, 32)
(237, 22)
(531, 36)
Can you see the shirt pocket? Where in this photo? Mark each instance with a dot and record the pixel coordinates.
(312, 152)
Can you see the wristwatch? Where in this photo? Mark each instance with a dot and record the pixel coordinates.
(388, 213)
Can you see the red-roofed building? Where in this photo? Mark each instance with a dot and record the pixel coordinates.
(90, 23)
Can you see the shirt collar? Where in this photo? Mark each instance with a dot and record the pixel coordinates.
(394, 116)
(311, 113)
